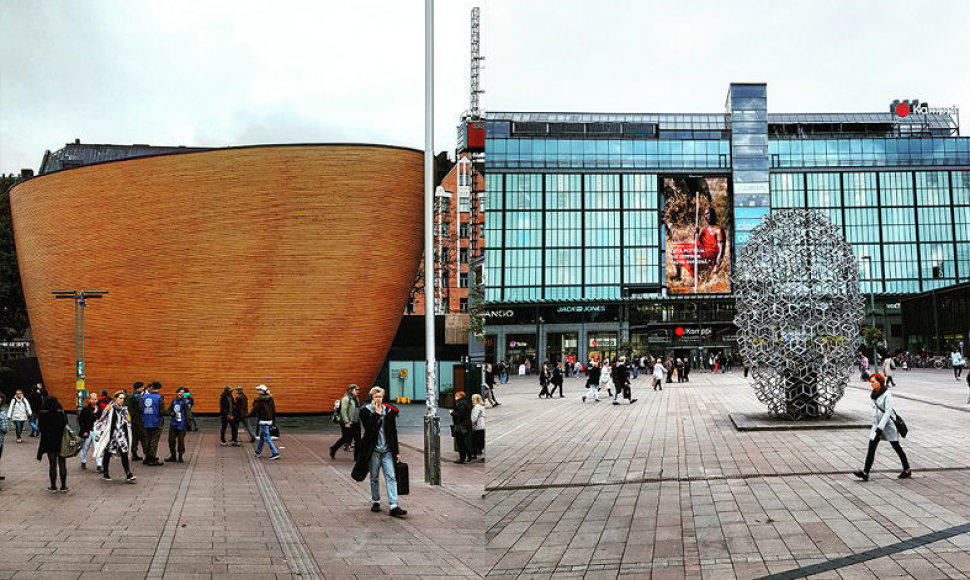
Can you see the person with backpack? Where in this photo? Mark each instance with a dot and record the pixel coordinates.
(113, 433)
(138, 432)
(50, 428)
(348, 416)
(85, 428)
(152, 407)
(240, 410)
(19, 412)
(181, 419)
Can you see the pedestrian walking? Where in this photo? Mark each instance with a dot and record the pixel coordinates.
(349, 422)
(478, 427)
(888, 366)
(152, 406)
(4, 425)
(190, 401)
(544, 376)
(379, 451)
(556, 380)
(181, 420)
(240, 412)
(956, 359)
(38, 400)
(138, 434)
(461, 427)
(19, 413)
(225, 413)
(883, 426)
(593, 382)
(669, 367)
(490, 385)
(621, 380)
(113, 435)
(50, 428)
(265, 410)
(658, 375)
(85, 427)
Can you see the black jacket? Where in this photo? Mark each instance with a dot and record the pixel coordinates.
(372, 424)
(490, 378)
(225, 404)
(620, 376)
(85, 421)
(51, 425)
(557, 376)
(594, 376)
(264, 407)
(461, 416)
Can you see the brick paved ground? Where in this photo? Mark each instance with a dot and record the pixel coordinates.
(667, 488)
(225, 514)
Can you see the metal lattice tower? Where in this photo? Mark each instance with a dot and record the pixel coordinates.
(476, 90)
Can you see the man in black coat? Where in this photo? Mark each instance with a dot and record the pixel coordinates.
(556, 380)
(37, 399)
(461, 417)
(225, 413)
(621, 380)
(379, 450)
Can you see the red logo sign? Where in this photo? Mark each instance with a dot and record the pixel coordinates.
(679, 331)
(902, 109)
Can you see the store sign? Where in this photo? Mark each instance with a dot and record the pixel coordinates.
(697, 332)
(603, 342)
(751, 188)
(914, 107)
(893, 306)
(498, 313)
(517, 344)
(575, 309)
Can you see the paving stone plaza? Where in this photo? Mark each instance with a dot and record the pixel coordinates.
(225, 514)
(668, 488)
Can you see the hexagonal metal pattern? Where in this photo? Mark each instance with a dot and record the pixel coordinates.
(799, 309)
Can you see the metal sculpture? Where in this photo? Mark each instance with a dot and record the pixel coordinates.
(798, 312)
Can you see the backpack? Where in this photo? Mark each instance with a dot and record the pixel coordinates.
(70, 443)
(336, 412)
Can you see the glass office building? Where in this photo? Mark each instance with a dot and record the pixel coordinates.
(581, 227)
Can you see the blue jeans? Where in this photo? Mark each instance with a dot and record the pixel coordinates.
(264, 436)
(384, 460)
(19, 425)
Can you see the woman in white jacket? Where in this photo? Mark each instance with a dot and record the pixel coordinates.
(478, 426)
(883, 414)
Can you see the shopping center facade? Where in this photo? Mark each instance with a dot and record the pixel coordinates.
(591, 218)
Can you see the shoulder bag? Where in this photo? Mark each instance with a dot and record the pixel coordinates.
(70, 443)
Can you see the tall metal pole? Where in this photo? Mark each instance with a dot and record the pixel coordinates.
(432, 428)
(872, 309)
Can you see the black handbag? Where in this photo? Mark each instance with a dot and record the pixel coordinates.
(274, 431)
(403, 481)
(900, 425)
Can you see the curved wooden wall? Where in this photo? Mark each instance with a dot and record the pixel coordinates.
(286, 265)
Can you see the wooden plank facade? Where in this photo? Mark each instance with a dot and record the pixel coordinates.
(283, 265)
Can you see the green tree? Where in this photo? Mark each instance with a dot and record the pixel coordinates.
(13, 309)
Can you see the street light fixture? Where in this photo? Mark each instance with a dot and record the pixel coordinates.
(80, 298)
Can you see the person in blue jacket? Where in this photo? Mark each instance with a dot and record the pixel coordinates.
(152, 407)
(181, 413)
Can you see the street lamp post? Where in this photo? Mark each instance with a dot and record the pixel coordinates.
(432, 427)
(872, 307)
(80, 298)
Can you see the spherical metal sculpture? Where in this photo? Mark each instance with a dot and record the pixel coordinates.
(798, 312)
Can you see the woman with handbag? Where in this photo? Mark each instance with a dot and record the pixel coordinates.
(379, 451)
(884, 424)
(51, 424)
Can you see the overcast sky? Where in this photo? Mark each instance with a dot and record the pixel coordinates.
(208, 73)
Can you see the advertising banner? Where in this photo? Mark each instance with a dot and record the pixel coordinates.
(697, 228)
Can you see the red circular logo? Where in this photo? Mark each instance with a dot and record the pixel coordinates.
(679, 331)
(902, 109)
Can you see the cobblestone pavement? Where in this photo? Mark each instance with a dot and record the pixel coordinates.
(667, 488)
(224, 513)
